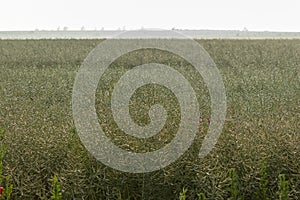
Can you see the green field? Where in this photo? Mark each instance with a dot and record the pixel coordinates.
(262, 81)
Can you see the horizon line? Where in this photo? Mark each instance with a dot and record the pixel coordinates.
(145, 29)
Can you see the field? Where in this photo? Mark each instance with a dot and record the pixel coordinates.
(262, 127)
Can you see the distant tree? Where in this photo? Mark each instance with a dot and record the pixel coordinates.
(82, 28)
(65, 28)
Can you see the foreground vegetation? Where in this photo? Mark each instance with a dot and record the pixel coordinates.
(262, 80)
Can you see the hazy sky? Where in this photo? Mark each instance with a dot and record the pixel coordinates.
(256, 15)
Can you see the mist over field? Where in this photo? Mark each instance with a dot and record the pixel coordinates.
(195, 34)
(150, 100)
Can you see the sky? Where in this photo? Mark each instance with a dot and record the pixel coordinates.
(255, 15)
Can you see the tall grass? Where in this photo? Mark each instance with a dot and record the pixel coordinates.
(6, 191)
(262, 123)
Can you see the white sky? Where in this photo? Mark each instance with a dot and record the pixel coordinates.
(256, 15)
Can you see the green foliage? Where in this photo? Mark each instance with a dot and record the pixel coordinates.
(261, 193)
(119, 196)
(2, 153)
(7, 193)
(283, 187)
(182, 195)
(202, 196)
(234, 185)
(56, 190)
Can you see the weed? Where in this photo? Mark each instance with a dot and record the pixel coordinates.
(283, 187)
(56, 190)
(182, 195)
(201, 196)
